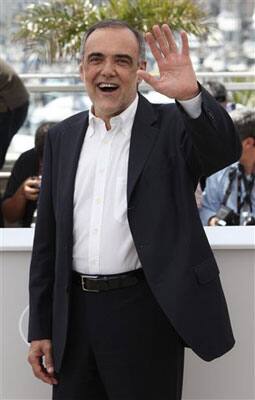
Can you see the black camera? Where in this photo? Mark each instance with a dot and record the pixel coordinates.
(248, 220)
(227, 216)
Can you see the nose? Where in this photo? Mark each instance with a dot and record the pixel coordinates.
(108, 68)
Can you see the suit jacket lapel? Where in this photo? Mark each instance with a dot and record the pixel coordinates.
(72, 142)
(142, 140)
(143, 137)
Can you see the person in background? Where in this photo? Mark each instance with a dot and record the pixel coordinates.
(219, 92)
(20, 199)
(229, 196)
(14, 103)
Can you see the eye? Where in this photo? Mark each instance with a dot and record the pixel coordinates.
(94, 60)
(123, 61)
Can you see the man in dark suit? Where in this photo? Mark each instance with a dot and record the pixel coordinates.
(122, 275)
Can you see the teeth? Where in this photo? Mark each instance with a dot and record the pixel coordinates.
(107, 85)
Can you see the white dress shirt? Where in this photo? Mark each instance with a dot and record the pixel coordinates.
(103, 243)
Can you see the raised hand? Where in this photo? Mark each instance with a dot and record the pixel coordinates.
(177, 77)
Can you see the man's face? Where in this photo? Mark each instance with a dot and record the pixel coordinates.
(111, 60)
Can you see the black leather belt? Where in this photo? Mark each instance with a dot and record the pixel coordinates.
(99, 283)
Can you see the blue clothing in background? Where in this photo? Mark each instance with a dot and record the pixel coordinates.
(215, 190)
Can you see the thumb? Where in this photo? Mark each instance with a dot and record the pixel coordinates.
(148, 78)
(49, 361)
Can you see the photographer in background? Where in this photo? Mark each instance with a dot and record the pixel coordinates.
(229, 196)
(219, 92)
(20, 199)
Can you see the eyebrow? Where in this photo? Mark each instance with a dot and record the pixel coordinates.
(94, 54)
(101, 55)
(124, 56)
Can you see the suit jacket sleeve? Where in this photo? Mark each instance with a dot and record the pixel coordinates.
(210, 142)
(43, 257)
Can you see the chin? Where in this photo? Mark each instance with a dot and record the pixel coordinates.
(111, 111)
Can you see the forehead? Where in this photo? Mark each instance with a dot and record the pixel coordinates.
(113, 41)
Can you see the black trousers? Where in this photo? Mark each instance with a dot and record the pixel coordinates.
(120, 347)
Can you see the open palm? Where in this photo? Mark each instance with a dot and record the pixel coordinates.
(177, 77)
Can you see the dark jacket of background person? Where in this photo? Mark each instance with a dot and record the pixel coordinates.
(27, 165)
(168, 153)
(14, 101)
(27, 170)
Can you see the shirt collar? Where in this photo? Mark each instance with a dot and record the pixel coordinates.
(124, 119)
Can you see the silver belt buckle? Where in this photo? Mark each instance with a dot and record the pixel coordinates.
(83, 277)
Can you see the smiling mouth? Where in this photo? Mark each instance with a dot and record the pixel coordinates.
(108, 87)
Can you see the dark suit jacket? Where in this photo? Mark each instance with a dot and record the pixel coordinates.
(168, 153)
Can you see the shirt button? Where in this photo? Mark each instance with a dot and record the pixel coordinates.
(95, 231)
(98, 200)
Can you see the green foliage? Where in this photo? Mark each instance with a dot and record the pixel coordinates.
(54, 29)
(143, 14)
(245, 97)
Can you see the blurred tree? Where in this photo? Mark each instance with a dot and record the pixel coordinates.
(54, 29)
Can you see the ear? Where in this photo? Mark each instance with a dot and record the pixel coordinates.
(82, 73)
(248, 142)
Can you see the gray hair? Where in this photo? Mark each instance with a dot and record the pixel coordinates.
(117, 24)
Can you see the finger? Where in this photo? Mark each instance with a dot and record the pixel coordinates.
(32, 197)
(154, 48)
(46, 378)
(49, 361)
(170, 38)
(148, 78)
(31, 190)
(41, 374)
(185, 43)
(161, 39)
(39, 370)
(30, 181)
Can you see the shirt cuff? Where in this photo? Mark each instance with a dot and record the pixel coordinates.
(193, 107)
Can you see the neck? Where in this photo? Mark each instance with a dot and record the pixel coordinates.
(107, 123)
(249, 166)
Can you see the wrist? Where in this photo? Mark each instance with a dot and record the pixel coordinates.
(21, 192)
(194, 92)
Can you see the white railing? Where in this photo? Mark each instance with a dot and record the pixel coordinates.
(226, 77)
(217, 75)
